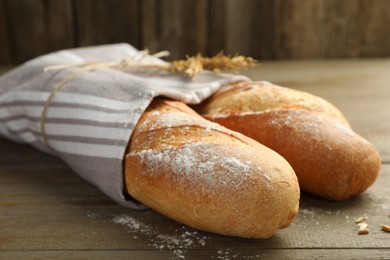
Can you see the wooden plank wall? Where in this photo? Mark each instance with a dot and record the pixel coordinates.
(264, 29)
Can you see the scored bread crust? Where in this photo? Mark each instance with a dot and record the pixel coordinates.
(206, 176)
(247, 97)
(329, 159)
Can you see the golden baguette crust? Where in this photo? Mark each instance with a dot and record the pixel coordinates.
(329, 159)
(206, 176)
(247, 97)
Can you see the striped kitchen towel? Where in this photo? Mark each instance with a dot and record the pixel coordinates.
(90, 120)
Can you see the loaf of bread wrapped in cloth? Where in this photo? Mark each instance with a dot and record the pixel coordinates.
(329, 158)
(100, 110)
(206, 176)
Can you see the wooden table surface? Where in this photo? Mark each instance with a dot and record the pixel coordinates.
(48, 212)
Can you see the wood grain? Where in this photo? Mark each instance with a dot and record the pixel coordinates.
(47, 211)
(38, 27)
(58, 22)
(104, 21)
(242, 28)
(26, 25)
(5, 51)
(264, 29)
(298, 29)
(175, 25)
(42, 207)
(331, 28)
(303, 254)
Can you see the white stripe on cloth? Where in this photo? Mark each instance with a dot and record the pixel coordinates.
(28, 137)
(76, 148)
(95, 150)
(70, 98)
(66, 129)
(63, 113)
(4, 131)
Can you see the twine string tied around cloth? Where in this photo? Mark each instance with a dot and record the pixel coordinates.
(191, 67)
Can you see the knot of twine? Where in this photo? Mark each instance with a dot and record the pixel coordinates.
(191, 67)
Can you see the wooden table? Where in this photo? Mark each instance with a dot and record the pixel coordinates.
(47, 211)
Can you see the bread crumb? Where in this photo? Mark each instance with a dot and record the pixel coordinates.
(363, 226)
(360, 220)
(386, 228)
(363, 231)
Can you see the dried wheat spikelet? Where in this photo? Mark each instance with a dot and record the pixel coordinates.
(193, 65)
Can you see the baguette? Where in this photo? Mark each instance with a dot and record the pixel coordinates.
(206, 176)
(330, 160)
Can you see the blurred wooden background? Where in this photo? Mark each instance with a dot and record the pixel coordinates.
(264, 29)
